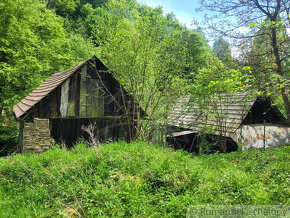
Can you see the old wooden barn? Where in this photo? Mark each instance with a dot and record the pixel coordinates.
(67, 101)
(251, 121)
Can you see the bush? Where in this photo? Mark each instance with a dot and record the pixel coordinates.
(8, 140)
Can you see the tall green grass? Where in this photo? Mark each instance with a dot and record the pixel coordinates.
(138, 180)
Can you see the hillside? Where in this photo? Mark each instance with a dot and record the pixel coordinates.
(138, 180)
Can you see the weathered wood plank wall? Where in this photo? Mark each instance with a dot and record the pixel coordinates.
(85, 98)
(84, 95)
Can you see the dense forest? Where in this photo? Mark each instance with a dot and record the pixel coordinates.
(155, 57)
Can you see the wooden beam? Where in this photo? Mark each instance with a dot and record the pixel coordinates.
(21, 127)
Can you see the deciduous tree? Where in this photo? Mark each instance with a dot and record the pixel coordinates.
(232, 17)
(222, 49)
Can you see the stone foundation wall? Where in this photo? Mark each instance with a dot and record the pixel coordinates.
(252, 136)
(36, 136)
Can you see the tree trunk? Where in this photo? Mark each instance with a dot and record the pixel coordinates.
(286, 102)
(279, 69)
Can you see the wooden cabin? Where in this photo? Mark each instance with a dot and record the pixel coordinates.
(251, 121)
(68, 101)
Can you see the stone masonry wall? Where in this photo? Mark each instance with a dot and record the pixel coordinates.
(36, 136)
(252, 136)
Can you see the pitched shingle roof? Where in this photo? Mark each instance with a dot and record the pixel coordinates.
(225, 114)
(43, 90)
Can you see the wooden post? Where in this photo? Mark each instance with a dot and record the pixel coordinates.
(21, 127)
(264, 140)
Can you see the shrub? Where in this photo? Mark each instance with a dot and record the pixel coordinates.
(8, 140)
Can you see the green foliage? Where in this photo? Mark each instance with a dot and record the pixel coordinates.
(214, 87)
(222, 50)
(138, 180)
(216, 78)
(152, 55)
(149, 54)
(8, 140)
(63, 7)
(32, 41)
(33, 45)
(197, 54)
(266, 41)
(71, 8)
(261, 59)
(205, 146)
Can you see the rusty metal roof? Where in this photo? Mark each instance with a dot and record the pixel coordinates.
(224, 114)
(43, 90)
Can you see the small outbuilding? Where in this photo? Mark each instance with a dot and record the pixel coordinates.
(237, 119)
(68, 101)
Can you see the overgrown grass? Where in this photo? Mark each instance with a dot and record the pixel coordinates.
(138, 180)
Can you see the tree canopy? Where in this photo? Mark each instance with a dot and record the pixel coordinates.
(222, 50)
(250, 21)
